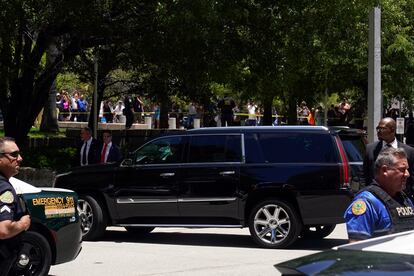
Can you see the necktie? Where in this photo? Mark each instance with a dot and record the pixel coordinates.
(103, 154)
(85, 145)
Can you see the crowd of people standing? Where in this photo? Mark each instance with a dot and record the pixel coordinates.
(72, 108)
(337, 115)
(224, 112)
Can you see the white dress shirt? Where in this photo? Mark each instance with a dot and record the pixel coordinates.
(393, 144)
(88, 146)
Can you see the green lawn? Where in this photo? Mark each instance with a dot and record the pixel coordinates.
(36, 133)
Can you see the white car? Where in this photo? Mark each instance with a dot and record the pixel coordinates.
(54, 235)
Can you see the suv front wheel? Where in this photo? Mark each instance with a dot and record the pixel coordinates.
(93, 218)
(274, 224)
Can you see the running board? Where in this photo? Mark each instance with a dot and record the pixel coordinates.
(181, 225)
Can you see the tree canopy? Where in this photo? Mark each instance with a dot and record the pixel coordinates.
(289, 50)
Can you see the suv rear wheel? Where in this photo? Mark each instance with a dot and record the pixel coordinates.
(274, 224)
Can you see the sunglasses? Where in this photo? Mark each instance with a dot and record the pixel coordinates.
(379, 129)
(13, 154)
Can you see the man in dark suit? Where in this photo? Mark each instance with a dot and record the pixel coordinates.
(109, 151)
(88, 151)
(386, 138)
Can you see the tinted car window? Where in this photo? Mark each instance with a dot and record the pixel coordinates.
(215, 148)
(164, 150)
(254, 152)
(295, 147)
(354, 147)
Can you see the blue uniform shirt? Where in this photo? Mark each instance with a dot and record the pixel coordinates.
(9, 202)
(366, 216)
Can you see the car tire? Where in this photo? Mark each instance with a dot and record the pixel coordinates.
(139, 230)
(35, 255)
(274, 223)
(92, 217)
(317, 231)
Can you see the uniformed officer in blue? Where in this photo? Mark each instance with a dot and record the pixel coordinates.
(382, 207)
(12, 220)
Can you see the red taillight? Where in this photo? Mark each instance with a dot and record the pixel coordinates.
(344, 170)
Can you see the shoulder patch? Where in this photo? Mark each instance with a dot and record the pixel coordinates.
(359, 207)
(7, 197)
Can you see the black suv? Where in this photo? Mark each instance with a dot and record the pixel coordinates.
(281, 182)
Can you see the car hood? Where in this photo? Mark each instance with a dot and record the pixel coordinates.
(22, 187)
(387, 255)
(94, 168)
(349, 262)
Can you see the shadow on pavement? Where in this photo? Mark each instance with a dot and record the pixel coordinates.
(317, 244)
(211, 239)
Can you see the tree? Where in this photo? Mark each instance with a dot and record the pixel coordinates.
(49, 116)
(398, 50)
(29, 28)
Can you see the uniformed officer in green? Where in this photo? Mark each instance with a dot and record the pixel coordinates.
(12, 219)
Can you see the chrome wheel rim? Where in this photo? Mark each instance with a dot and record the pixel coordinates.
(272, 224)
(85, 216)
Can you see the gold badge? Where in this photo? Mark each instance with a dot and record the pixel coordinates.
(7, 197)
(359, 207)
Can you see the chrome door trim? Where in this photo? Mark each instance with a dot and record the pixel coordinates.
(167, 174)
(144, 201)
(202, 199)
(224, 173)
(169, 200)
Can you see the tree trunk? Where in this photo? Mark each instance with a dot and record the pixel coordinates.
(49, 118)
(267, 116)
(25, 104)
(92, 111)
(292, 111)
(164, 105)
(29, 90)
(164, 113)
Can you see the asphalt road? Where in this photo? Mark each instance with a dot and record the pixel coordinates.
(180, 251)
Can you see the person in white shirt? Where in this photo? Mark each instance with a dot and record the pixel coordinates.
(192, 113)
(251, 108)
(88, 151)
(118, 112)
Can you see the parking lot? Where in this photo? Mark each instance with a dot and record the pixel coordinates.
(180, 251)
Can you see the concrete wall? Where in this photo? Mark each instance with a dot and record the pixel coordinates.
(37, 177)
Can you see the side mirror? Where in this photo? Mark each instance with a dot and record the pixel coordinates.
(126, 162)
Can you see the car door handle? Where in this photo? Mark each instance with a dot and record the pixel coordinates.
(227, 173)
(167, 174)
